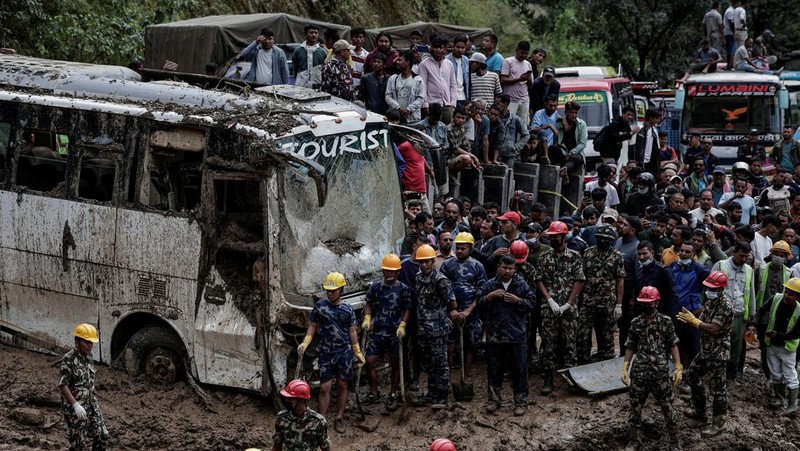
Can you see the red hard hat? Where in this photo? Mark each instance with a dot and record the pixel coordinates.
(716, 279)
(557, 228)
(519, 250)
(648, 294)
(442, 444)
(297, 389)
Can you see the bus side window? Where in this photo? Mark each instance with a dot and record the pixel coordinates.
(43, 162)
(98, 168)
(5, 138)
(173, 170)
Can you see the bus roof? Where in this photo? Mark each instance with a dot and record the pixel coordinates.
(118, 90)
(586, 71)
(583, 84)
(732, 76)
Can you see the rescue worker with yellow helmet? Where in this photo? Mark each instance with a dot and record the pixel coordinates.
(298, 427)
(782, 337)
(85, 425)
(336, 323)
(467, 275)
(434, 299)
(385, 316)
(770, 279)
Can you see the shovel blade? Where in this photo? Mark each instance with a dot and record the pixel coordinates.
(463, 392)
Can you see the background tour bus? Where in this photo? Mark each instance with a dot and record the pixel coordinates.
(193, 227)
(725, 106)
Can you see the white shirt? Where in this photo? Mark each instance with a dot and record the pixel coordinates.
(699, 215)
(264, 67)
(461, 93)
(612, 198)
(726, 29)
(761, 246)
(740, 19)
(651, 136)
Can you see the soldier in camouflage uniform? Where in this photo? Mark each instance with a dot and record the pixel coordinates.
(467, 275)
(85, 426)
(715, 324)
(385, 316)
(435, 298)
(298, 428)
(601, 305)
(652, 338)
(505, 301)
(559, 277)
(336, 323)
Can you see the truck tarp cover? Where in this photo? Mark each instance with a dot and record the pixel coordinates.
(195, 42)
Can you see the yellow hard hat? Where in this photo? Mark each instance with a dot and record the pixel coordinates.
(425, 252)
(391, 262)
(464, 237)
(86, 332)
(782, 246)
(793, 284)
(333, 281)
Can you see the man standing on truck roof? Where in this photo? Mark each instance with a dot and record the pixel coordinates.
(298, 427)
(336, 323)
(727, 32)
(268, 63)
(515, 76)
(85, 425)
(307, 59)
(712, 22)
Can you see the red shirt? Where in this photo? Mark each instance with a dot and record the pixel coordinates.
(414, 175)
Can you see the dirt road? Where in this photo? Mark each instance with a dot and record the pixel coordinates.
(140, 416)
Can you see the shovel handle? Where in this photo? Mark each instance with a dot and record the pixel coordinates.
(402, 370)
(461, 345)
(299, 364)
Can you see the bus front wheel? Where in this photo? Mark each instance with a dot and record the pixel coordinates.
(157, 353)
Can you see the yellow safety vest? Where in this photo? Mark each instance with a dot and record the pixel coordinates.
(791, 345)
(725, 267)
(762, 287)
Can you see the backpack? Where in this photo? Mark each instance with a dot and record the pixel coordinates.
(604, 143)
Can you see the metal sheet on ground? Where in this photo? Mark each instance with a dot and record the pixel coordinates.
(600, 378)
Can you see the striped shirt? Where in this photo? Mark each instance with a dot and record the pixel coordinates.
(484, 87)
(358, 65)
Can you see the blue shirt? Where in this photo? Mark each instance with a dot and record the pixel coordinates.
(388, 303)
(494, 63)
(689, 285)
(748, 206)
(433, 292)
(467, 277)
(333, 325)
(540, 119)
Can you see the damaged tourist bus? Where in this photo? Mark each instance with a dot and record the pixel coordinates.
(193, 227)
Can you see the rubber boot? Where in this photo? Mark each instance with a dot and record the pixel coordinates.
(635, 442)
(778, 398)
(716, 427)
(547, 387)
(791, 409)
(698, 415)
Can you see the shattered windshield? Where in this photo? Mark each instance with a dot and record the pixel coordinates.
(360, 219)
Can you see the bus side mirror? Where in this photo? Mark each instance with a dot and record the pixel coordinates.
(680, 98)
(783, 99)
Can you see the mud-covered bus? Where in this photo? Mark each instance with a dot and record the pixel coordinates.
(193, 227)
(725, 106)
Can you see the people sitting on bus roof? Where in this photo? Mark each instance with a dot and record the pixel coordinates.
(705, 61)
(744, 62)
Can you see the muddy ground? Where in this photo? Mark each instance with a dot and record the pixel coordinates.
(141, 416)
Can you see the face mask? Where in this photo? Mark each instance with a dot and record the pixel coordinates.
(778, 261)
(569, 236)
(532, 241)
(643, 191)
(712, 295)
(648, 310)
(604, 244)
(685, 261)
(647, 262)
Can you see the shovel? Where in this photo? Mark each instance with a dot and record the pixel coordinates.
(403, 410)
(463, 391)
(363, 425)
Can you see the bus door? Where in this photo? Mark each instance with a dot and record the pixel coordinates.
(228, 349)
(57, 233)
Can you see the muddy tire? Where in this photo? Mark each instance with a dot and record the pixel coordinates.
(157, 353)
